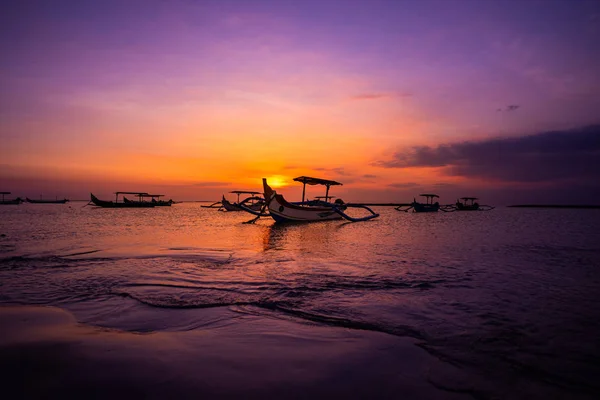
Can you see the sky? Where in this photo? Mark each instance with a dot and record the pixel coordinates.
(494, 99)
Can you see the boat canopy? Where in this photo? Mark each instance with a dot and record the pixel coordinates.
(135, 193)
(469, 198)
(307, 180)
(429, 195)
(4, 192)
(244, 192)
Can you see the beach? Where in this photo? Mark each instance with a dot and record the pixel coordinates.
(45, 353)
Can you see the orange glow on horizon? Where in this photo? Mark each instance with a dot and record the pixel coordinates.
(277, 181)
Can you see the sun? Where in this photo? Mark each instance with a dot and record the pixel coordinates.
(277, 181)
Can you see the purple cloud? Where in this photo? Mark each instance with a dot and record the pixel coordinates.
(544, 157)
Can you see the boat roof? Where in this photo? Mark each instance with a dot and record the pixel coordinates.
(244, 192)
(469, 198)
(307, 180)
(4, 192)
(138, 193)
(429, 195)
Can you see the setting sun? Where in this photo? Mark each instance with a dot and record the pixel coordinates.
(277, 181)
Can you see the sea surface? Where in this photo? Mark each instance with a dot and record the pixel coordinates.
(510, 298)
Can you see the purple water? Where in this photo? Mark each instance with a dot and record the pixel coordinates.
(510, 298)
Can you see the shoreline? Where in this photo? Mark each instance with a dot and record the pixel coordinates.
(44, 350)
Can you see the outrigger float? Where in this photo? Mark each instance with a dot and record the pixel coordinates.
(306, 211)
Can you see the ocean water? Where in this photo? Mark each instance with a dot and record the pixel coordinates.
(509, 298)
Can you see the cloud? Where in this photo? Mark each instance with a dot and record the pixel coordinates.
(337, 171)
(570, 155)
(509, 108)
(211, 184)
(370, 96)
(377, 96)
(404, 185)
(369, 176)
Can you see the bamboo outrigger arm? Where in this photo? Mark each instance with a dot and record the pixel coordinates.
(353, 219)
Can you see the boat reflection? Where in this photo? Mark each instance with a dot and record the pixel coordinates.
(303, 237)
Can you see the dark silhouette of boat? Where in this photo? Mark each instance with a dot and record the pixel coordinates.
(63, 201)
(253, 202)
(469, 204)
(466, 204)
(307, 211)
(154, 200)
(18, 200)
(428, 206)
(123, 204)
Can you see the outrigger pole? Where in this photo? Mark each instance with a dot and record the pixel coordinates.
(304, 189)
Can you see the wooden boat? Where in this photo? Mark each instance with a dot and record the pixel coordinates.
(468, 204)
(18, 200)
(154, 199)
(40, 201)
(307, 211)
(253, 202)
(116, 204)
(428, 206)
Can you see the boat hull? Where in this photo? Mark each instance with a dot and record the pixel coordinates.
(283, 211)
(63, 201)
(9, 202)
(153, 203)
(111, 204)
(421, 208)
(229, 206)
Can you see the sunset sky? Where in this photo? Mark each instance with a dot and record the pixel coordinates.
(496, 99)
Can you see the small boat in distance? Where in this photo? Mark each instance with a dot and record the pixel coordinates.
(154, 199)
(18, 200)
(469, 204)
(41, 201)
(253, 202)
(123, 204)
(308, 211)
(428, 206)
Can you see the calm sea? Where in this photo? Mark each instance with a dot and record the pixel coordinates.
(511, 297)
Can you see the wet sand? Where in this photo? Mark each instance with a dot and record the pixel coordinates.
(45, 353)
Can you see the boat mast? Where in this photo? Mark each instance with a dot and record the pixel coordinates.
(303, 189)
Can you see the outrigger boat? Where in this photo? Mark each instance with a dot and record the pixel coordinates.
(467, 204)
(40, 201)
(307, 211)
(253, 202)
(18, 200)
(123, 204)
(428, 206)
(155, 200)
